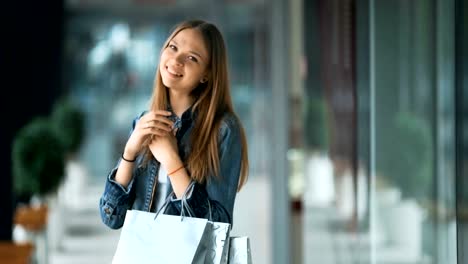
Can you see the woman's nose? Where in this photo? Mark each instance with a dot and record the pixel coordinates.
(179, 59)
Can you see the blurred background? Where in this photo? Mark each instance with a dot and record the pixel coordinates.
(356, 114)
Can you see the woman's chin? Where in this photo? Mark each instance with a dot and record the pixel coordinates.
(167, 83)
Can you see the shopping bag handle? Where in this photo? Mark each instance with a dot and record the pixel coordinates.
(184, 204)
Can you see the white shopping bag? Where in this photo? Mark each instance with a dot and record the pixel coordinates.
(239, 250)
(214, 246)
(159, 238)
(166, 239)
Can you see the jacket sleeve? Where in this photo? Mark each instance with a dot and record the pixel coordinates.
(116, 199)
(222, 189)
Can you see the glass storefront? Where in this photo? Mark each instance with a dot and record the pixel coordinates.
(413, 166)
(382, 187)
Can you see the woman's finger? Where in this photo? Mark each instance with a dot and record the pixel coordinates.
(160, 116)
(153, 118)
(159, 125)
(158, 132)
(162, 112)
(152, 114)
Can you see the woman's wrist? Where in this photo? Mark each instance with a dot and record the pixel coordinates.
(127, 159)
(170, 173)
(173, 165)
(128, 156)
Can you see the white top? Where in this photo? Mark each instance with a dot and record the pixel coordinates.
(161, 188)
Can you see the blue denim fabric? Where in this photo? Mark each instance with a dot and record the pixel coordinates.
(220, 190)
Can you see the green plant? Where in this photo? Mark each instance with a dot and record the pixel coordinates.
(37, 159)
(69, 122)
(315, 125)
(405, 155)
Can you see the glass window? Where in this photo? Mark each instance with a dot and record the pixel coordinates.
(383, 189)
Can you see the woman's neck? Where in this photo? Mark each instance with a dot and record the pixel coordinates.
(180, 103)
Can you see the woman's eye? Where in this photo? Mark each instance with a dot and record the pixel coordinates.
(172, 47)
(192, 58)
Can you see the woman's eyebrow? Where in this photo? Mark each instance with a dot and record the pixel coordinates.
(196, 53)
(192, 51)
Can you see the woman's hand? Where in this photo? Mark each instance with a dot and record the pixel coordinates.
(164, 149)
(151, 125)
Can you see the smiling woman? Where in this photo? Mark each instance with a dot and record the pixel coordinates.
(110, 62)
(189, 134)
(184, 62)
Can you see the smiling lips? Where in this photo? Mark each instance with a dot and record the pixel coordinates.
(173, 73)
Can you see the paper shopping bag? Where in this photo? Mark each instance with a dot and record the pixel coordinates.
(239, 250)
(214, 245)
(159, 238)
(166, 239)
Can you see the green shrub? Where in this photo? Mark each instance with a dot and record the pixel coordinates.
(37, 159)
(68, 120)
(405, 155)
(315, 125)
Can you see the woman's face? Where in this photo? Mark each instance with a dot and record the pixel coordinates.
(184, 62)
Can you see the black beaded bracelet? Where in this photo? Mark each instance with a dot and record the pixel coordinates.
(127, 160)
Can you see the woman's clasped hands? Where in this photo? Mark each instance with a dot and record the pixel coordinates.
(154, 129)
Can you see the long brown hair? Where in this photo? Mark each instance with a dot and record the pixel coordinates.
(212, 101)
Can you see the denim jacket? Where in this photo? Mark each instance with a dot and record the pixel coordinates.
(139, 194)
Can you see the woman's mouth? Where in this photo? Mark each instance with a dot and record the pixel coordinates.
(173, 73)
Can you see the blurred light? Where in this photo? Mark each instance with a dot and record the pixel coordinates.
(143, 54)
(99, 54)
(119, 37)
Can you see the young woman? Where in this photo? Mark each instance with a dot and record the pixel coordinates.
(189, 134)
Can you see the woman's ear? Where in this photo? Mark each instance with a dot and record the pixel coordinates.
(206, 77)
